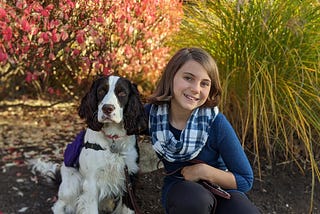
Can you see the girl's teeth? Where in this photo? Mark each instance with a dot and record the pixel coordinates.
(190, 98)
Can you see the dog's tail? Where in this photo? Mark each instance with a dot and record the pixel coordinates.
(47, 171)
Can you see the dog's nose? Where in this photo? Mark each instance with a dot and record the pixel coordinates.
(108, 108)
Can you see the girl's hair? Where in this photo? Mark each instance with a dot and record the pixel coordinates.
(164, 89)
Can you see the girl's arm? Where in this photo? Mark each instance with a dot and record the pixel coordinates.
(204, 171)
(239, 175)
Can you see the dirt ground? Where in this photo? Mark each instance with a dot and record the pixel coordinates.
(27, 133)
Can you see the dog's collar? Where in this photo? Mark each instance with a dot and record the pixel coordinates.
(94, 146)
(113, 137)
(113, 147)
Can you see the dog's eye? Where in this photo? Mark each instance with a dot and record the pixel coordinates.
(122, 94)
(101, 92)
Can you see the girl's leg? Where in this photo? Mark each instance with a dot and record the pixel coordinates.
(238, 204)
(188, 197)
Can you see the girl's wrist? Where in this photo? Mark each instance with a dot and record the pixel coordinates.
(205, 172)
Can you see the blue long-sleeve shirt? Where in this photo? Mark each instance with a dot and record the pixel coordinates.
(222, 150)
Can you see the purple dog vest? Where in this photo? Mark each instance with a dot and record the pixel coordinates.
(72, 152)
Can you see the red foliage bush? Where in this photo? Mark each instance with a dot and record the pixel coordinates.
(58, 45)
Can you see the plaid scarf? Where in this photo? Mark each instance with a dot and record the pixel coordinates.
(192, 138)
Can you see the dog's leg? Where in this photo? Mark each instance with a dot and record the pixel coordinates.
(131, 156)
(59, 207)
(122, 208)
(88, 200)
(69, 191)
(126, 210)
(108, 205)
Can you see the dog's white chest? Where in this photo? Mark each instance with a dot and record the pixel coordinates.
(93, 161)
(104, 166)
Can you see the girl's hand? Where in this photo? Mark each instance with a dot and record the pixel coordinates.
(203, 171)
(194, 172)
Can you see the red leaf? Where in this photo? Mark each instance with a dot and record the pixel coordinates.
(3, 56)
(58, 92)
(3, 13)
(64, 36)
(100, 19)
(52, 56)
(50, 7)
(80, 37)
(29, 77)
(7, 33)
(76, 52)
(37, 7)
(51, 90)
(54, 23)
(70, 4)
(45, 13)
(34, 30)
(55, 37)
(44, 36)
(25, 25)
(21, 4)
(106, 71)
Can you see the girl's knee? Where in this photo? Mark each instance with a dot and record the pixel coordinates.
(189, 197)
(239, 203)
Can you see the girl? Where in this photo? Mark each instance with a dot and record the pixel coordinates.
(195, 141)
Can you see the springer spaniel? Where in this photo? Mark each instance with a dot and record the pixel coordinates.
(114, 114)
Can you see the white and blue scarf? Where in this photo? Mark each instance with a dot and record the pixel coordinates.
(192, 139)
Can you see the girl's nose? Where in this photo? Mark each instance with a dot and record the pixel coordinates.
(195, 87)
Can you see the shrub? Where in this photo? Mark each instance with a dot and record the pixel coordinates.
(59, 45)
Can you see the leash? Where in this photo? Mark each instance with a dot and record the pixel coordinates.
(193, 161)
(131, 193)
(212, 187)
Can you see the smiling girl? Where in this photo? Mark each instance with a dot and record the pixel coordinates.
(195, 141)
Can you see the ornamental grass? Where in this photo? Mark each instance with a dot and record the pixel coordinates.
(268, 53)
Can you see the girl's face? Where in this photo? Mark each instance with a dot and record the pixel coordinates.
(191, 86)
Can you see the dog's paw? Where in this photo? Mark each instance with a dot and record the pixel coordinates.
(108, 205)
(126, 210)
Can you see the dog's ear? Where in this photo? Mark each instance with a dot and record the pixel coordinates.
(88, 108)
(135, 118)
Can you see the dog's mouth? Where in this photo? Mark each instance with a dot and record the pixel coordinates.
(106, 118)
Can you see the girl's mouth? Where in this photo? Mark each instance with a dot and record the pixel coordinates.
(191, 98)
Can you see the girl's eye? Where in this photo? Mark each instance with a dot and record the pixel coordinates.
(187, 78)
(122, 94)
(205, 84)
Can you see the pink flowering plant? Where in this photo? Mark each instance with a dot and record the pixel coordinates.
(57, 46)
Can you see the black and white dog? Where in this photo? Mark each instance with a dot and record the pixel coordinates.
(114, 114)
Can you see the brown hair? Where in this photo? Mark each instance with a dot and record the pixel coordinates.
(164, 89)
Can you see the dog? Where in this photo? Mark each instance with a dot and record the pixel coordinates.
(114, 114)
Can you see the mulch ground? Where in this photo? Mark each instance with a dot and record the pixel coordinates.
(27, 133)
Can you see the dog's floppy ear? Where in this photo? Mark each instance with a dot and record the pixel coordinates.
(135, 118)
(88, 108)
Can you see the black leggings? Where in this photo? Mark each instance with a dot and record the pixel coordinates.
(188, 197)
